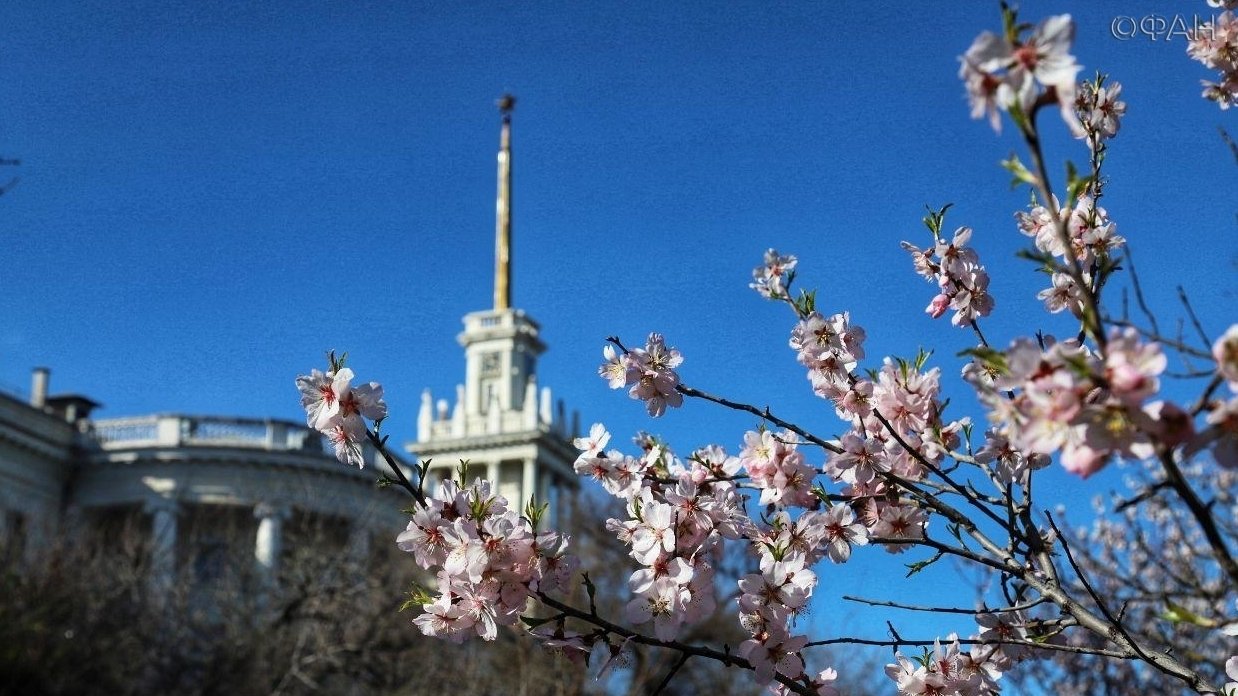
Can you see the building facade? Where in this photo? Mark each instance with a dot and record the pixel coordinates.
(59, 466)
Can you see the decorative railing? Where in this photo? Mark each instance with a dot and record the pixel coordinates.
(205, 431)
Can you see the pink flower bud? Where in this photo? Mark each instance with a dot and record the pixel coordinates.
(938, 306)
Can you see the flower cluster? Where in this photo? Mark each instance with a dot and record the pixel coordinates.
(1099, 110)
(677, 517)
(773, 278)
(681, 513)
(650, 372)
(487, 558)
(948, 671)
(901, 434)
(777, 468)
(336, 407)
(1089, 406)
(1092, 237)
(831, 347)
(962, 282)
(1005, 72)
(1215, 44)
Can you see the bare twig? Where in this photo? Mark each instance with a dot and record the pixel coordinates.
(943, 610)
(1190, 312)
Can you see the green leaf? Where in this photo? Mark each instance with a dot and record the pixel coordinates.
(1176, 613)
(936, 218)
(1020, 173)
(918, 566)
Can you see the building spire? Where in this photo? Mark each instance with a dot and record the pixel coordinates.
(503, 210)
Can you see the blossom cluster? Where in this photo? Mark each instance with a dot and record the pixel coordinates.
(947, 670)
(336, 407)
(962, 282)
(1089, 405)
(1010, 71)
(681, 513)
(649, 371)
(488, 561)
(1215, 44)
(1099, 109)
(895, 441)
(1092, 237)
(830, 348)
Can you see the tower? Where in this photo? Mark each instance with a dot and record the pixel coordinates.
(505, 426)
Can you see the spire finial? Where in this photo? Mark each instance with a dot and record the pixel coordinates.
(503, 209)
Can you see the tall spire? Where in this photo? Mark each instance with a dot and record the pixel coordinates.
(503, 210)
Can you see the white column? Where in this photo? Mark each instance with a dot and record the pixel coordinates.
(163, 512)
(527, 481)
(269, 540)
(492, 475)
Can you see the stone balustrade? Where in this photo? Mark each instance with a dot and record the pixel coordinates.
(175, 430)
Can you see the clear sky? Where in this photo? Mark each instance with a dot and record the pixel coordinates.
(214, 194)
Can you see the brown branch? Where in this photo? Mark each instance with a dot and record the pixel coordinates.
(943, 610)
(683, 648)
(897, 642)
(1143, 306)
(1201, 513)
(1190, 312)
(762, 413)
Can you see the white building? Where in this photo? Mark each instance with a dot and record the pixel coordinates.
(502, 423)
(59, 467)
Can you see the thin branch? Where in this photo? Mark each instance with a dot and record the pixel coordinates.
(898, 641)
(943, 548)
(943, 610)
(1145, 494)
(693, 650)
(1172, 343)
(762, 413)
(1116, 626)
(401, 479)
(671, 674)
(1143, 306)
(1202, 515)
(1190, 312)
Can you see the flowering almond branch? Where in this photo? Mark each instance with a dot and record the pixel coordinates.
(898, 465)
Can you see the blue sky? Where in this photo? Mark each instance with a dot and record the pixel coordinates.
(213, 195)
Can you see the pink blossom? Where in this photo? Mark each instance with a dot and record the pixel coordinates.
(444, 619)
(1132, 367)
(663, 603)
(1099, 110)
(596, 441)
(842, 532)
(774, 652)
(939, 305)
(772, 277)
(365, 401)
(348, 436)
(656, 380)
(1000, 74)
(900, 522)
(321, 393)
